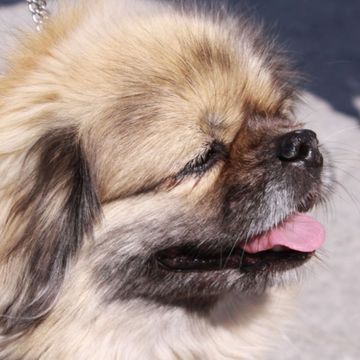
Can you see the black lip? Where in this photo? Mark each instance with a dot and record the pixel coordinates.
(183, 259)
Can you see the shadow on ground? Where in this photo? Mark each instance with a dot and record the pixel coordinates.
(322, 36)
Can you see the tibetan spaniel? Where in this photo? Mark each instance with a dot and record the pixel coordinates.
(153, 186)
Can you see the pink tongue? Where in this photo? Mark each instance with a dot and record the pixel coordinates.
(299, 232)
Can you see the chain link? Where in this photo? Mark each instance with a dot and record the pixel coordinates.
(39, 12)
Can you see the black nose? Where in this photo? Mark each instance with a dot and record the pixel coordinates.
(300, 146)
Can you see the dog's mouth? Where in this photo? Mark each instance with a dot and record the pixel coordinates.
(183, 259)
(284, 247)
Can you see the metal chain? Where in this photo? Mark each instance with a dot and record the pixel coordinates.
(39, 12)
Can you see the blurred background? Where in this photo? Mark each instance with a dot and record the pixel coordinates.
(323, 37)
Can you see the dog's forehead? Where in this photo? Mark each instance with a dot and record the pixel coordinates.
(218, 73)
(225, 79)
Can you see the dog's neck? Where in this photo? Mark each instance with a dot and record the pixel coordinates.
(82, 325)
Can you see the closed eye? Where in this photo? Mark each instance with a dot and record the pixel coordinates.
(215, 152)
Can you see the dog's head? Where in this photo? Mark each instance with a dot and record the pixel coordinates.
(167, 154)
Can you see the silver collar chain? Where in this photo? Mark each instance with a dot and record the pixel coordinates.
(39, 12)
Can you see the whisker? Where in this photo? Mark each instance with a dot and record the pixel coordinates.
(342, 148)
(341, 161)
(356, 127)
(231, 251)
(221, 255)
(351, 196)
(348, 173)
(319, 258)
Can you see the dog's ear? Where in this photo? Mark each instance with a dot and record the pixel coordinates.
(56, 206)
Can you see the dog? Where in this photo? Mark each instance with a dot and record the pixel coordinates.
(154, 180)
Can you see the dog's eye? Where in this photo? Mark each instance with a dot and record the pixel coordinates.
(204, 161)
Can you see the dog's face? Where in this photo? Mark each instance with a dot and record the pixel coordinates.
(169, 154)
(203, 156)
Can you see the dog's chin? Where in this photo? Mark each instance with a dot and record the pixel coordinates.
(190, 258)
(199, 276)
(210, 276)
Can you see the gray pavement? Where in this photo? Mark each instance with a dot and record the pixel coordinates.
(324, 37)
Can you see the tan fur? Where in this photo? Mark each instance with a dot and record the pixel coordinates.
(150, 78)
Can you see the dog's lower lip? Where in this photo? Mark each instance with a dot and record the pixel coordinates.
(185, 260)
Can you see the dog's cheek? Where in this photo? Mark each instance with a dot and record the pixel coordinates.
(134, 229)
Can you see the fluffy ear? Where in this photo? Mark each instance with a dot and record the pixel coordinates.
(56, 206)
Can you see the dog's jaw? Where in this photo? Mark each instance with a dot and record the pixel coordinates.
(236, 327)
